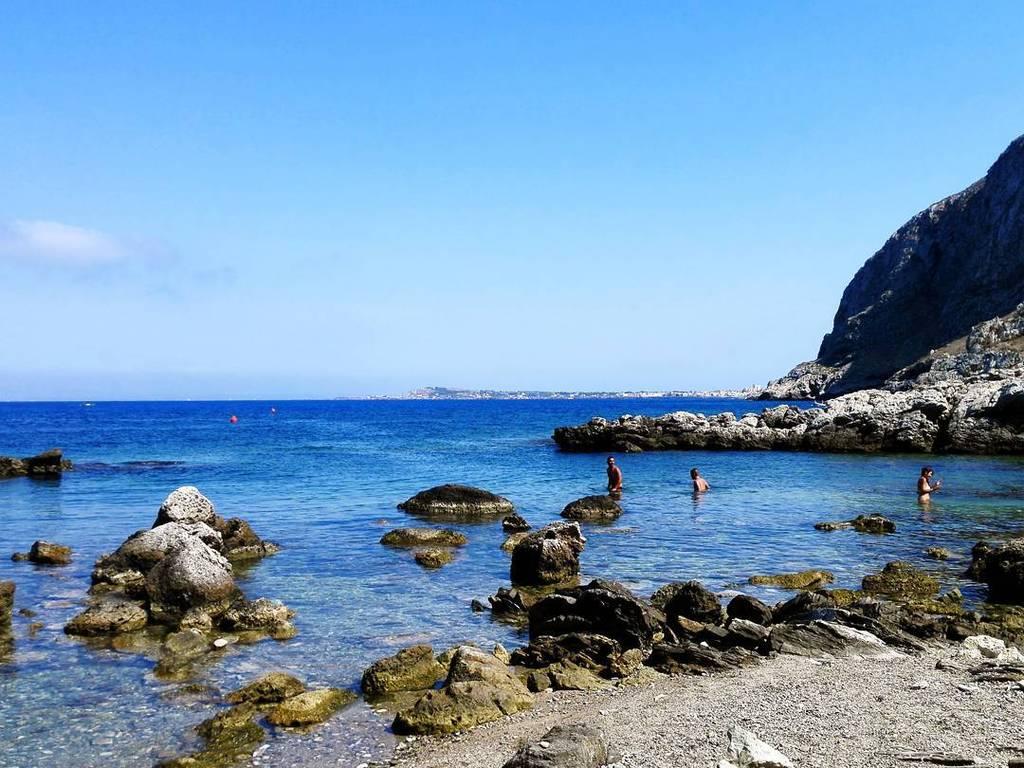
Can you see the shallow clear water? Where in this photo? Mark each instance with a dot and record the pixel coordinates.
(323, 478)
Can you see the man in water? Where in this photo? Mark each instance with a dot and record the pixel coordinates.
(700, 485)
(924, 484)
(614, 477)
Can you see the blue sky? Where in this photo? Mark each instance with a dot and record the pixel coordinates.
(319, 199)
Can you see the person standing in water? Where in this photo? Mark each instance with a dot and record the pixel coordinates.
(614, 477)
(924, 484)
(700, 485)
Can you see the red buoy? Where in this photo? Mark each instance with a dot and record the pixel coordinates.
(233, 419)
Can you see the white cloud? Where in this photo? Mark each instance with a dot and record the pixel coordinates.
(54, 242)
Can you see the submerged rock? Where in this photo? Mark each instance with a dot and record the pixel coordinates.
(565, 746)
(411, 669)
(433, 558)
(938, 553)
(269, 689)
(107, 618)
(801, 580)
(418, 537)
(1001, 566)
(228, 735)
(310, 707)
(862, 524)
(460, 502)
(7, 589)
(49, 463)
(593, 509)
(549, 556)
(479, 689)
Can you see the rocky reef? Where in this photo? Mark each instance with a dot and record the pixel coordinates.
(50, 463)
(457, 503)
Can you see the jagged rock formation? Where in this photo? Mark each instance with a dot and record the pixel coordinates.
(955, 265)
(49, 463)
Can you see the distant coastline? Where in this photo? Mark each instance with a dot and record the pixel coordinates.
(447, 393)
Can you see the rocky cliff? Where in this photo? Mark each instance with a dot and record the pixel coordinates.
(957, 263)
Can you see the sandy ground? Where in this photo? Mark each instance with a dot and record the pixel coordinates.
(847, 712)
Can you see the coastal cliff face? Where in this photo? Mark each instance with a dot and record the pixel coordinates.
(957, 263)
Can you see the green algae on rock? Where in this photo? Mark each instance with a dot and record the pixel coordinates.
(108, 617)
(230, 738)
(419, 537)
(861, 524)
(272, 688)
(457, 502)
(411, 669)
(901, 581)
(812, 579)
(433, 558)
(310, 707)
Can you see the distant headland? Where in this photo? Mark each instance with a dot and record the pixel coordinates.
(447, 393)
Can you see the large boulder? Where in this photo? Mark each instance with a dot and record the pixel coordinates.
(600, 608)
(748, 751)
(826, 638)
(597, 653)
(593, 509)
(1001, 566)
(747, 608)
(185, 505)
(457, 502)
(109, 617)
(479, 689)
(548, 556)
(692, 600)
(564, 746)
(144, 549)
(411, 669)
(803, 606)
(421, 537)
(190, 576)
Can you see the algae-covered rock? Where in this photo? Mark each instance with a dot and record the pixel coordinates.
(938, 553)
(262, 614)
(230, 736)
(48, 553)
(433, 558)
(479, 689)
(901, 581)
(411, 669)
(813, 579)
(272, 688)
(861, 524)
(564, 676)
(457, 502)
(185, 505)
(240, 542)
(107, 618)
(593, 509)
(7, 589)
(512, 541)
(420, 537)
(310, 707)
(565, 746)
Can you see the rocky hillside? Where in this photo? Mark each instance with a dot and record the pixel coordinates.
(954, 265)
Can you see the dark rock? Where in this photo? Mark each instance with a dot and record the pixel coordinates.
(824, 638)
(802, 606)
(457, 502)
(7, 589)
(745, 634)
(1001, 566)
(411, 669)
(240, 542)
(549, 556)
(749, 609)
(476, 606)
(47, 553)
(419, 537)
(801, 580)
(269, 689)
(693, 600)
(593, 509)
(601, 607)
(514, 523)
(861, 524)
(433, 558)
(693, 659)
(46, 464)
(594, 652)
(564, 746)
(509, 602)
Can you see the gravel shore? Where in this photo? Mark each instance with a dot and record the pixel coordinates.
(848, 712)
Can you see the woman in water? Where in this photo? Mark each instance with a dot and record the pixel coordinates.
(924, 485)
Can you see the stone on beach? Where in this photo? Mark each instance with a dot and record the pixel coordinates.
(7, 589)
(750, 609)
(411, 669)
(748, 751)
(548, 556)
(564, 746)
(457, 502)
(692, 600)
(593, 509)
(418, 537)
(800, 580)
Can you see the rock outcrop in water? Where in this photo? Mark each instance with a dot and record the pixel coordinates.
(1001, 566)
(548, 556)
(457, 502)
(50, 463)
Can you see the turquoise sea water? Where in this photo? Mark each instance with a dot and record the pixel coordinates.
(323, 478)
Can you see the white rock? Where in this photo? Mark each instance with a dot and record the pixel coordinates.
(748, 751)
(986, 647)
(919, 685)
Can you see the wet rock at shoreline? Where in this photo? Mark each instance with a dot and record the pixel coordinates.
(901, 581)
(108, 617)
(434, 558)
(593, 509)
(688, 658)
(479, 689)
(938, 553)
(420, 537)
(514, 523)
(45, 553)
(548, 556)
(565, 746)
(861, 524)
(189, 576)
(801, 606)
(802, 580)
(692, 600)
(825, 638)
(1001, 566)
(457, 502)
(310, 707)
(49, 463)
(262, 614)
(272, 688)
(7, 589)
(411, 669)
(240, 542)
(749, 609)
(228, 735)
(512, 541)
(509, 603)
(595, 652)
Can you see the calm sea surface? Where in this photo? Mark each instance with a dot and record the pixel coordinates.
(323, 478)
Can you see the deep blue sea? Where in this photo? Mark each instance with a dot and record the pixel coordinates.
(323, 479)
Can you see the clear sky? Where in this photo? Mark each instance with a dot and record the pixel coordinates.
(319, 199)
